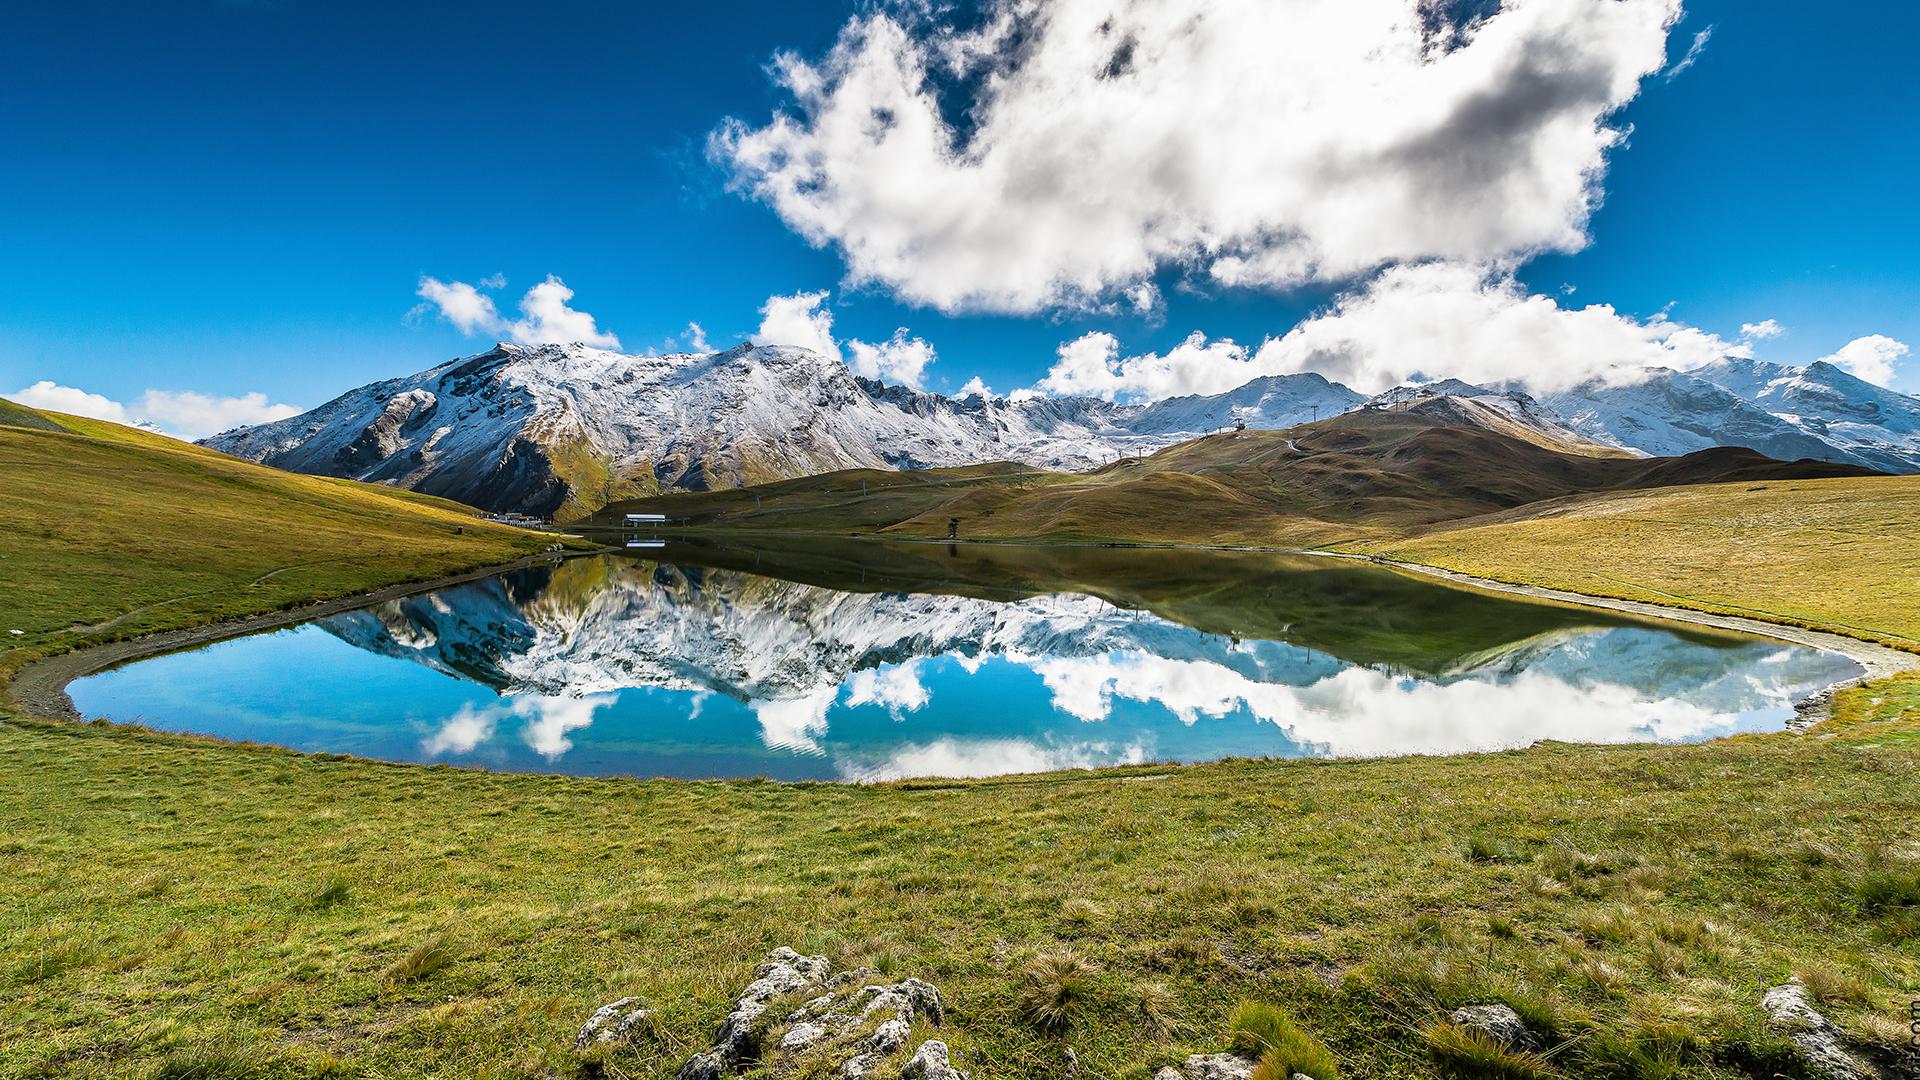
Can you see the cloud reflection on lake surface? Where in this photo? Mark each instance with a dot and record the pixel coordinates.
(872, 662)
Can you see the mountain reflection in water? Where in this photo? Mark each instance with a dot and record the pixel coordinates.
(862, 661)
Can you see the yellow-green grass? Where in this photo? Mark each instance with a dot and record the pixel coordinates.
(171, 899)
(1841, 554)
(107, 532)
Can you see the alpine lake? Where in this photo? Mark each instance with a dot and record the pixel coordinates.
(845, 660)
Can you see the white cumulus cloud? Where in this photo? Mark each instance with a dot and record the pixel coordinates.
(184, 414)
(547, 316)
(1871, 358)
(1409, 323)
(1762, 330)
(1062, 151)
(803, 321)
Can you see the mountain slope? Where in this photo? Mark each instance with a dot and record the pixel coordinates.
(1374, 471)
(561, 429)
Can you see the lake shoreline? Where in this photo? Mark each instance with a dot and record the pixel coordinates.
(40, 688)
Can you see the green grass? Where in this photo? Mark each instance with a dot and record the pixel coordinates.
(488, 914)
(1267, 1034)
(180, 907)
(108, 533)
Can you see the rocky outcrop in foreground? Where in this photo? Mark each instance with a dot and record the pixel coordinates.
(798, 1016)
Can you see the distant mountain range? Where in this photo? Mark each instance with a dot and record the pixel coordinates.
(559, 430)
(1387, 468)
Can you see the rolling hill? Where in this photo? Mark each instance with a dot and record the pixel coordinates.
(107, 532)
(1376, 471)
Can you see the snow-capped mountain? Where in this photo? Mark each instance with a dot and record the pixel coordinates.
(1879, 427)
(560, 428)
(1786, 416)
(557, 430)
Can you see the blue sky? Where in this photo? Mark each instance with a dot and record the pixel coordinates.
(244, 197)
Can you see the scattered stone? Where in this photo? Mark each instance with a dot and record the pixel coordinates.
(797, 1008)
(888, 1037)
(1211, 1067)
(930, 1063)
(617, 1022)
(1072, 1067)
(1499, 1023)
(801, 1035)
(1819, 1041)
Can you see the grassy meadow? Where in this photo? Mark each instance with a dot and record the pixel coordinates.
(176, 907)
(179, 907)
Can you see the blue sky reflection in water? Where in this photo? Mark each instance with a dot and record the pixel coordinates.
(622, 666)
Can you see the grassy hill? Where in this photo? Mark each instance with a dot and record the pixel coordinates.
(1371, 473)
(1841, 553)
(108, 532)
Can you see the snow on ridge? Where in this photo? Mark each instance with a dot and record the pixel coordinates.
(499, 429)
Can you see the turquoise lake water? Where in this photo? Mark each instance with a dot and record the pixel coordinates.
(862, 661)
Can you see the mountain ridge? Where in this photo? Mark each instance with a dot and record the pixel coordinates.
(560, 430)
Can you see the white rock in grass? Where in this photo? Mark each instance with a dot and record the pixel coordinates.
(1499, 1023)
(1819, 1041)
(616, 1022)
(931, 1062)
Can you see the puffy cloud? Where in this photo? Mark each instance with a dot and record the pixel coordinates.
(1091, 364)
(1413, 323)
(49, 395)
(466, 307)
(1871, 358)
(803, 321)
(899, 359)
(184, 414)
(1063, 150)
(1762, 330)
(549, 319)
(976, 387)
(546, 314)
(197, 415)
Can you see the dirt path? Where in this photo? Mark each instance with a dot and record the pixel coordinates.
(40, 689)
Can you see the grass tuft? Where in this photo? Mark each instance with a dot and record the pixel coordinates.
(1464, 1052)
(423, 960)
(1053, 988)
(1266, 1032)
(332, 893)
